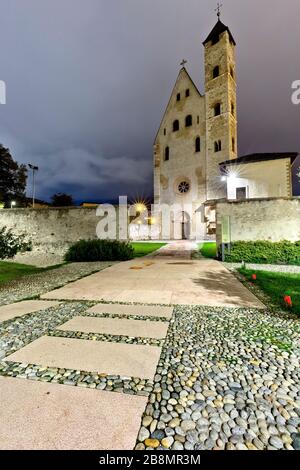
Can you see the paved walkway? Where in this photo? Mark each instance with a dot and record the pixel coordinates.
(120, 375)
(169, 276)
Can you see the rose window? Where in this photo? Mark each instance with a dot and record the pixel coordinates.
(184, 187)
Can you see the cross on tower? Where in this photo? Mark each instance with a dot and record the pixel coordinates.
(218, 9)
(183, 62)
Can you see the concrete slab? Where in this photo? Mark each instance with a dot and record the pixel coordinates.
(167, 281)
(129, 360)
(117, 326)
(36, 415)
(7, 312)
(141, 310)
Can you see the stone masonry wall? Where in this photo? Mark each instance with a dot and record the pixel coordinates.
(57, 227)
(261, 219)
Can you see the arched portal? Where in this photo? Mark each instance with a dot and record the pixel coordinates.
(182, 226)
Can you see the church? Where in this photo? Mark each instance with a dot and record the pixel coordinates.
(196, 161)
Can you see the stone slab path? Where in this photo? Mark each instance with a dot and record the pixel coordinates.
(18, 309)
(165, 280)
(36, 415)
(107, 353)
(130, 360)
(117, 326)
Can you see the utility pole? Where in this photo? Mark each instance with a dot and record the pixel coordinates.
(34, 169)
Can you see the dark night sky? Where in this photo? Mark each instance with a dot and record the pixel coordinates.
(88, 81)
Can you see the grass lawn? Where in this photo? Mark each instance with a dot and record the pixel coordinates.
(144, 248)
(208, 250)
(276, 285)
(10, 271)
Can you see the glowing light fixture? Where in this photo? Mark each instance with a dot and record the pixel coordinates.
(232, 176)
(140, 207)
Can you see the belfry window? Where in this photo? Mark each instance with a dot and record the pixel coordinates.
(198, 145)
(188, 121)
(178, 97)
(217, 109)
(176, 125)
(187, 93)
(218, 146)
(215, 40)
(165, 131)
(216, 71)
(167, 154)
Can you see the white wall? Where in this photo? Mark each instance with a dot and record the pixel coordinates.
(261, 179)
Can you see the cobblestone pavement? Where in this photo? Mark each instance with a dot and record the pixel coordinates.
(37, 284)
(226, 379)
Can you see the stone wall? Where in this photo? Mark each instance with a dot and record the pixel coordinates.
(57, 227)
(273, 219)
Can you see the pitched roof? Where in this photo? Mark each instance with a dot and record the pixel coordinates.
(218, 29)
(182, 70)
(260, 157)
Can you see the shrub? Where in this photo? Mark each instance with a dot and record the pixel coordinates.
(11, 244)
(261, 252)
(99, 250)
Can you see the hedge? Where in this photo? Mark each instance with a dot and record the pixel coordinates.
(265, 252)
(99, 250)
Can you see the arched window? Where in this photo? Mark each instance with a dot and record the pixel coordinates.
(198, 145)
(231, 72)
(217, 109)
(218, 146)
(188, 120)
(165, 131)
(216, 71)
(167, 154)
(178, 97)
(176, 125)
(187, 93)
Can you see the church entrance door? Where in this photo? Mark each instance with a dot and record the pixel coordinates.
(185, 226)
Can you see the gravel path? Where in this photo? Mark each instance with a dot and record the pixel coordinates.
(265, 267)
(37, 284)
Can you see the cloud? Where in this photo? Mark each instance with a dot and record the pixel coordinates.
(87, 83)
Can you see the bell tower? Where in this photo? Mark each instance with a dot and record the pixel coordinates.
(220, 105)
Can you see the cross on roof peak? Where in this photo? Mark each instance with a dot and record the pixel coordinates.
(218, 9)
(183, 62)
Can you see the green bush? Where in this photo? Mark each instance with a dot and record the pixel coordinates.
(265, 252)
(11, 244)
(99, 250)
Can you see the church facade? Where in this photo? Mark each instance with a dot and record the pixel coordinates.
(197, 145)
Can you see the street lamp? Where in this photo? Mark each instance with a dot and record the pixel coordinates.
(12, 204)
(34, 169)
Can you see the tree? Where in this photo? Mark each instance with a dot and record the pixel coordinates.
(62, 200)
(11, 244)
(13, 178)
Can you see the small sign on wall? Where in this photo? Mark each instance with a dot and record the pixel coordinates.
(226, 229)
